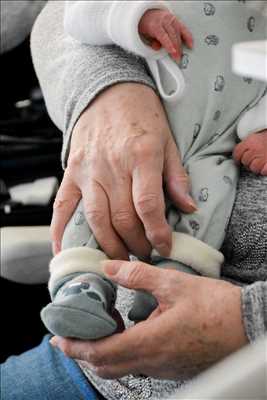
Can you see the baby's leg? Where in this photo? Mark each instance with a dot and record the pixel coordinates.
(213, 180)
(82, 299)
(199, 235)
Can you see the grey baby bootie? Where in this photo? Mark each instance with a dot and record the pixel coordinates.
(82, 301)
(145, 303)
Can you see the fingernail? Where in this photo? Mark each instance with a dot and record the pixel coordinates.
(191, 202)
(164, 249)
(111, 267)
(53, 341)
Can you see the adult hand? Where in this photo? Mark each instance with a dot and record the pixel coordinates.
(121, 152)
(197, 322)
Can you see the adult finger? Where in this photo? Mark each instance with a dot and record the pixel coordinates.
(65, 203)
(97, 212)
(103, 351)
(135, 275)
(126, 222)
(109, 353)
(141, 276)
(177, 180)
(149, 204)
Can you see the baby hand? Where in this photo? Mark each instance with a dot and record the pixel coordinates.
(163, 29)
(252, 152)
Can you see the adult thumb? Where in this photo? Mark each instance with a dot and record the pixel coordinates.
(177, 180)
(134, 275)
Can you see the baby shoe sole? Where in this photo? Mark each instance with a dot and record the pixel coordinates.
(71, 322)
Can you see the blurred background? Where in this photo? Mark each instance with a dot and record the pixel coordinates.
(30, 172)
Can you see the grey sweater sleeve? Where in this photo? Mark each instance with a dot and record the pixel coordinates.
(72, 74)
(254, 310)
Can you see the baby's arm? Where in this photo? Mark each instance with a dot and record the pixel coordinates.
(124, 23)
(252, 128)
(87, 21)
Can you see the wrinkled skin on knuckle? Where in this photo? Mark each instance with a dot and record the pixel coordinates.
(135, 274)
(75, 157)
(123, 220)
(140, 148)
(95, 216)
(58, 204)
(147, 204)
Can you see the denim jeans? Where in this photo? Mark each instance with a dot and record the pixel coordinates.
(44, 373)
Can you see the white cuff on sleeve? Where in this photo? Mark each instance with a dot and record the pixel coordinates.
(195, 254)
(255, 120)
(76, 259)
(122, 25)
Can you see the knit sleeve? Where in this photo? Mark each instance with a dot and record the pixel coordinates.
(71, 74)
(110, 22)
(254, 310)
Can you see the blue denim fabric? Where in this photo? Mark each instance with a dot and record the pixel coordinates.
(44, 373)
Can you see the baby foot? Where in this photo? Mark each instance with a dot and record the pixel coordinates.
(252, 152)
(81, 308)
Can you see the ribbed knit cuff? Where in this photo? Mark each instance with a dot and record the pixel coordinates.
(122, 26)
(195, 254)
(73, 260)
(254, 310)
